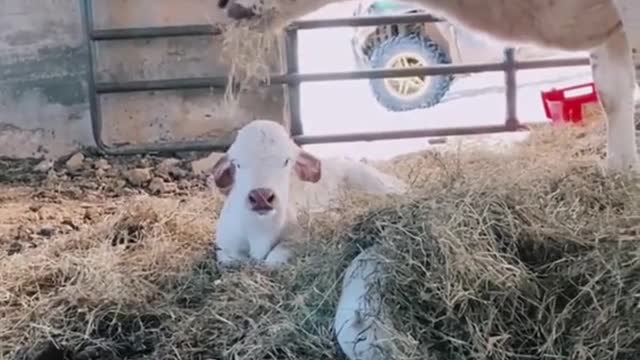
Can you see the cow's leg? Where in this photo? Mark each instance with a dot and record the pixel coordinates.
(613, 73)
(629, 11)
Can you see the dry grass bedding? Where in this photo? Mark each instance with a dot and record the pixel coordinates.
(253, 52)
(252, 57)
(527, 255)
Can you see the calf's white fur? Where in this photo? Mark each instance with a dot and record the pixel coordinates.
(343, 176)
(262, 157)
(608, 29)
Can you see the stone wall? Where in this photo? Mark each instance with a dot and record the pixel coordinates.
(43, 71)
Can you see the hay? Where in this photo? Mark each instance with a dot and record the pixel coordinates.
(251, 55)
(67, 288)
(525, 255)
(526, 271)
(253, 51)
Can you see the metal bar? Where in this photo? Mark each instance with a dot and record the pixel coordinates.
(94, 100)
(291, 48)
(206, 29)
(166, 148)
(217, 82)
(155, 32)
(511, 119)
(291, 79)
(403, 134)
(362, 21)
(549, 63)
(317, 139)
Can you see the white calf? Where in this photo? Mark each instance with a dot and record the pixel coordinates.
(266, 178)
(609, 29)
(256, 174)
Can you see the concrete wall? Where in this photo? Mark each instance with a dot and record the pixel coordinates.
(43, 71)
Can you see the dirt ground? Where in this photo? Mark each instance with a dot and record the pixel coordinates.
(42, 201)
(39, 201)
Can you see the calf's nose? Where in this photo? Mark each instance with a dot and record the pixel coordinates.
(261, 199)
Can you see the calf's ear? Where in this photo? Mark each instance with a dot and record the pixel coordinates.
(223, 174)
(308, 167)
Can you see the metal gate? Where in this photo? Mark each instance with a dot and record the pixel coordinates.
(292, 78)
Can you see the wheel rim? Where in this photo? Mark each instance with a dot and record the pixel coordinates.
(408, 87)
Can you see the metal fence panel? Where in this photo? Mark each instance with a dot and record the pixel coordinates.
(293, 78)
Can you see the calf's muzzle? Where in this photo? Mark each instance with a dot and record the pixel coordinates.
(261, 200)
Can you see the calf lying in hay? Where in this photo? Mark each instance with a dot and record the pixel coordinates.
(258, 221)
(533, 258)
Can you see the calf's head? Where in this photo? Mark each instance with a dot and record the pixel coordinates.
(256, 170)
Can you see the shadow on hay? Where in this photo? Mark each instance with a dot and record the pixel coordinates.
(112, 336)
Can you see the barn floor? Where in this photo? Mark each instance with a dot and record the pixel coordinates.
(47, 210)
(110, 258)
(41, 201)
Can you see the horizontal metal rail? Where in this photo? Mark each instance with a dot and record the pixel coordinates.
(293, 79)
(167, 147)
(155, 32)
(208, 30)
(370, 20)
(405, 134)
(209, 145)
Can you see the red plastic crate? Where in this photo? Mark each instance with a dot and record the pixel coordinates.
(559, 106)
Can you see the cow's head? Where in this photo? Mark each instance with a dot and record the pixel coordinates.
(274, 12)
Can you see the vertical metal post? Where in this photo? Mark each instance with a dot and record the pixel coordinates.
(291, 49)
(94, 100)
(511, 90)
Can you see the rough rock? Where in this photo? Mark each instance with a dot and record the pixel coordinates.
(75, 162)
(101, 164)
(203, 165)
(44, 166)
(157, 186)
(138, 177)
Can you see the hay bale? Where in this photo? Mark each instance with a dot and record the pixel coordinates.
(526, 271)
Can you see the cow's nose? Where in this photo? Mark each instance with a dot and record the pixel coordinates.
(222, 3)
(261, 200)
(239, 12)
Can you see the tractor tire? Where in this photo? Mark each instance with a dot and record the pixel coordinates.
(421, 51)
